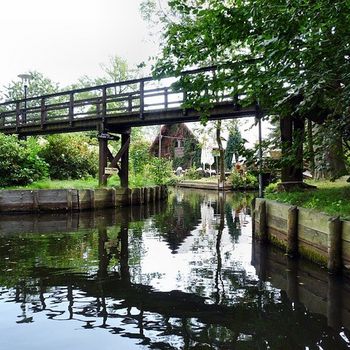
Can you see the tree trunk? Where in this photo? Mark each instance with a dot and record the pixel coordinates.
(292, 137)
(221, 151)
(330, 162)
(310, 143)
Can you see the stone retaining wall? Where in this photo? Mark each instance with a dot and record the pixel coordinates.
(317, 236)
(74, 200)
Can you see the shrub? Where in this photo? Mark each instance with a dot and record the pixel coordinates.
(69, 157)
(243, 180)
(20, 163)
(160, 170)
(139, 156)
(271, 188)
(192, 174)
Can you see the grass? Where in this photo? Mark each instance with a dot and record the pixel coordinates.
(113, 181)
(332, 198)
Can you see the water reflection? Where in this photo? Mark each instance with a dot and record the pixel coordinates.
(180, 276)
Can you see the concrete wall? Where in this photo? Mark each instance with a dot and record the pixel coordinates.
(315, 234)
(76, 200)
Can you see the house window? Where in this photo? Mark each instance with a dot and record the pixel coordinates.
(179, 143)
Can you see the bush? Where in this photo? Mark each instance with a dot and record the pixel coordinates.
(160, 170)
(243, 180)
(69, 157)
(139, 156)
(271, 188)
(20, 163)
(192, 174)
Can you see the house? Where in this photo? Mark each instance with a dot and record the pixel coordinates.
(177, 143)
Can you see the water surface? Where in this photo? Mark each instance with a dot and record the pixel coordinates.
(178, 275)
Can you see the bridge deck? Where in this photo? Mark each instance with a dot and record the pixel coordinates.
(117, 106)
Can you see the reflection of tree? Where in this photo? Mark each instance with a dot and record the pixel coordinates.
(177, 221)
(100, 295)
(220, 228)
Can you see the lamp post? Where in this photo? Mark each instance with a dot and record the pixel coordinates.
(25, 81)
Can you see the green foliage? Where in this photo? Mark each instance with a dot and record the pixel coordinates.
(160, 170)
(291, 55)
(192, 174)
(286, 48)
(139, 155)
(19, 162)
(271, 188)
(69, 157)
(242, 180)
(235, 147)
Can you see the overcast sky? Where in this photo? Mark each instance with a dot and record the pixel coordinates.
(66, 39)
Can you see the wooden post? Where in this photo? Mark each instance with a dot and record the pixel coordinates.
(262, 228)
(103, 143)
(166, 98)
(71, 108)
(124, 169)
(292, 231)
(130, 103)
(43, 113)
(142, 98)
(18, 115)
(334, 246)
(104, 105)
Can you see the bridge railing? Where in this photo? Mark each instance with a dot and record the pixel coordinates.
(136, 96)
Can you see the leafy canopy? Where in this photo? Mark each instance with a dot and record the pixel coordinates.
(287, 50)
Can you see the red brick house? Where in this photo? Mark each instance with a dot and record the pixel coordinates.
(177, 143)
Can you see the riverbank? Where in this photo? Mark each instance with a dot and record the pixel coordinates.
(321, 238)
(213, 183)
(77, 200)
(80, 184)
(205, 184)
(332, 198)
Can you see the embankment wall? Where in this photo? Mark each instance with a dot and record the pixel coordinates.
(317, 236)
(77, 200)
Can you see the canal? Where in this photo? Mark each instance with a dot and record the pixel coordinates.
(184, 274)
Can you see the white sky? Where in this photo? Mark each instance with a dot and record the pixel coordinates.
(66, 39)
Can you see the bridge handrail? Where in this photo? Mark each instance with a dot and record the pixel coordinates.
(110, 85)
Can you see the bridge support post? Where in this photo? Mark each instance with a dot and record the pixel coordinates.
(119, 164)
(103, 144)
(124, 168)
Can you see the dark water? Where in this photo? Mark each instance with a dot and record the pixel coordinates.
(181, 275)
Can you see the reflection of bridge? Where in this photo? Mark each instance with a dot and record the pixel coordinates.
(109, 300)
(107, 297)
(116, 107)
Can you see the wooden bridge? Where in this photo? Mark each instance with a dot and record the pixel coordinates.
(116, 108)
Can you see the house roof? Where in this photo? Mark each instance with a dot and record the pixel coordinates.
(168, 131)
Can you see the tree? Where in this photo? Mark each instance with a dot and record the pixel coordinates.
(293, 56)
(235, 144)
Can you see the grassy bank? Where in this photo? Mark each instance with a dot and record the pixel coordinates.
(332, 198)
(82, 184)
